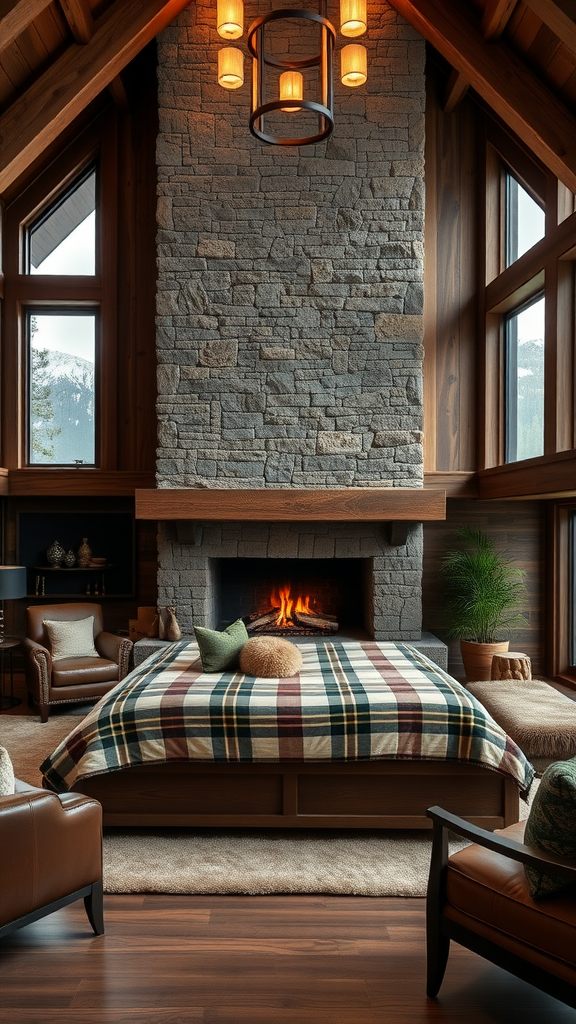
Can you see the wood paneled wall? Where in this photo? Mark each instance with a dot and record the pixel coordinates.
(518, 531)
(453, 166)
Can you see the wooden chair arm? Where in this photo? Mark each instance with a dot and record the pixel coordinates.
(445, 822)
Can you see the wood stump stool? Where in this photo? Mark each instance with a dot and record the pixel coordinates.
(511, 665)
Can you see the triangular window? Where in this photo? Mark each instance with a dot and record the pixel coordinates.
(62, 241)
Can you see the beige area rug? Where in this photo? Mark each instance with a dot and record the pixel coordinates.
(246, 861)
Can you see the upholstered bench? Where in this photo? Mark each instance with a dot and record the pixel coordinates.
(540, 719)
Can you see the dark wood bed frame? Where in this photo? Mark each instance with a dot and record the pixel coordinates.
(365, 794)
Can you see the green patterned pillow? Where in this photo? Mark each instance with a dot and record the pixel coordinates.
(220, 650)
(551, 825)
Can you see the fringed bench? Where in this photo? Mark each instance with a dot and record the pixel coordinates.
(540, 719)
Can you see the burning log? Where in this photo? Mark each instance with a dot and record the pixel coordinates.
(315, 621)
(259, 621)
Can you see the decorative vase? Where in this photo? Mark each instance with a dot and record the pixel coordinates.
(84, 553)
(70, 559)
(477, 658)
(172, 629)
(55, 554)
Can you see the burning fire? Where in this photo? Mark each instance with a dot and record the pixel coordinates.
(288, 605)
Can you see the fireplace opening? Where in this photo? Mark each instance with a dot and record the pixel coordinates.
(295, 596)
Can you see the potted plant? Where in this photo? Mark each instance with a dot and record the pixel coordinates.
(481, 589)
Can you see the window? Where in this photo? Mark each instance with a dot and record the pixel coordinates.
(60, 325)
(525, 220)
(61, 386)
(63, 240)
(524, 371)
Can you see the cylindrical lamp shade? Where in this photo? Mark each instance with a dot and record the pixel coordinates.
(291, 88)
(353, 17)
(353, 65)
(230, 67)
(12, 582)
(230, 18)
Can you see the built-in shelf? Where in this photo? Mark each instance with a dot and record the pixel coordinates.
(110, 535)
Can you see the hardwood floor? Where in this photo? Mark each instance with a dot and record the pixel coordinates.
(251, 960)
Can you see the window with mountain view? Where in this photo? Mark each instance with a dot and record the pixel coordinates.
(524, 356)
(61, 386)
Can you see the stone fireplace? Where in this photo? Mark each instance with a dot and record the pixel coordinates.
(289, 327)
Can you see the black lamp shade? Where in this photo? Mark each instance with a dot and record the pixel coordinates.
(12, 582)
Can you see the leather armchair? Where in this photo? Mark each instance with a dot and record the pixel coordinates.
(65, 680)
(479, 897)
(51, 856)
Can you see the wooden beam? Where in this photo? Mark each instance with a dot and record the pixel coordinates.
(502, 79)
(496, 16)
(80, 20)
(287, 504)
(456, 89)
(561, 24)
(119, 94)
(15, 16)
(37, 117)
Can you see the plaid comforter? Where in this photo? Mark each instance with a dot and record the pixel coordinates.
(351, 701)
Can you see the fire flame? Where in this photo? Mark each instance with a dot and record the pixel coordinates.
(288, 605)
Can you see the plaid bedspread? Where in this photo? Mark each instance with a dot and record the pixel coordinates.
(351, 701)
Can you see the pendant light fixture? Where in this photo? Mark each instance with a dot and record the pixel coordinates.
(353, 65)
(353, 20)
(230, 19)
(230, 67)
(289, 84)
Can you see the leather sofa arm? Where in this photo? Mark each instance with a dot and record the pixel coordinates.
(51, 846)
(115, 648)
(38, 669)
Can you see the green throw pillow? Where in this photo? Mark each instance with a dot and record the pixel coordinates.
(551, 825)
(220, 650)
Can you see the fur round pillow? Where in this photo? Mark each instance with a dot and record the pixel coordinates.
(271, 657)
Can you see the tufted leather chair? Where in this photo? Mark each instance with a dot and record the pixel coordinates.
(63, 681)
(51, 855)
(479, 897)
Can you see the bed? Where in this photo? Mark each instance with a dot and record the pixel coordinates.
(367, 735)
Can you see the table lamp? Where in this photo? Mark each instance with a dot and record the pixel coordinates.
(12, 586)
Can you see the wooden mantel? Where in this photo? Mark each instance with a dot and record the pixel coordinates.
(349, 504)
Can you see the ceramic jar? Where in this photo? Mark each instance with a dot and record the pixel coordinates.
(55, 554)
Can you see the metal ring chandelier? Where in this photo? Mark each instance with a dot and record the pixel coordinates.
(323, 60)
(290, 91)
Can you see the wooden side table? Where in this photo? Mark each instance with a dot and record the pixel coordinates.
(8, 701)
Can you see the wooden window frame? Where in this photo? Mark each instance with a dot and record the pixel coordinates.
(22, 291)
(63, 310)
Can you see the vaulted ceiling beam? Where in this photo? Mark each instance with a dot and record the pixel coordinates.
(79, 18)
(523, 102)
(456, 89)
(15, 16)
(37, 117)
(497, 14)
(554, 17)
